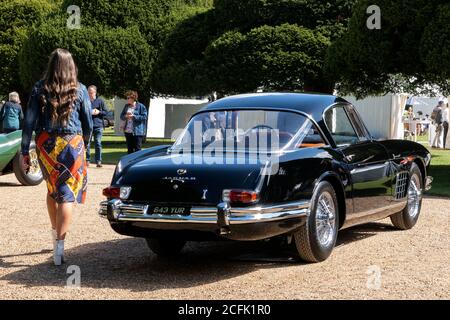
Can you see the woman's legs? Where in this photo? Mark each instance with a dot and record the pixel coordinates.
(52, 208)
(63, 219)
(60, 216)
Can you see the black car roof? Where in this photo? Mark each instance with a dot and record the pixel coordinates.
(312, 104)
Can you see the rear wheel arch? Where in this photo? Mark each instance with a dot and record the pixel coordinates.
(408, 217)
(419, 162)
(333, 179)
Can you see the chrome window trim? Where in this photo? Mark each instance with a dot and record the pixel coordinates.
(359, 121)
(343, 104)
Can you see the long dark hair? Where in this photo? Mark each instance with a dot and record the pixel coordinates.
(60, 85)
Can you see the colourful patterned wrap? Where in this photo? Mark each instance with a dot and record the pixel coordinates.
(63, 162)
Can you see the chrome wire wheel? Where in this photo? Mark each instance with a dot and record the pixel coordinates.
(35, 169)
(326, 219)
(408, 217)
(414, 196)
(315, 240)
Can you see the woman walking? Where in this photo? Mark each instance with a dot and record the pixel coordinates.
(59, 110)
(134, 115)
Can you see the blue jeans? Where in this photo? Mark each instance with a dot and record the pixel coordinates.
(97, 134)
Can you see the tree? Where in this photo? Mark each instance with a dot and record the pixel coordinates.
(286, 57)
(248, 14)
(180, 68)
(115, 47)
(113, 59)
(435, 49)
(16, 19)
(238, 46)
(406, 55)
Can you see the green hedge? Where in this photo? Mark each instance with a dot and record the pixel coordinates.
(17, 17)
(116, 46)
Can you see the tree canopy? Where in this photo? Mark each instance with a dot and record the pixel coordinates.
(410, 52)
(16, 19)
(285, 57)
(116, 45)
(238, 46)
(196, 47)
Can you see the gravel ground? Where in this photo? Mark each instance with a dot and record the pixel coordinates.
(411, 264)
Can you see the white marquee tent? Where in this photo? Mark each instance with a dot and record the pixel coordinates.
(382, 115)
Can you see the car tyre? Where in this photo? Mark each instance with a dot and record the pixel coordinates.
(34, 176)
(316, 239)
(408, 217)
(165, 247)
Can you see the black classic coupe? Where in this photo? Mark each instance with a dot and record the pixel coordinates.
(261, 166)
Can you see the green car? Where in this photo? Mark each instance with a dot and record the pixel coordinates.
(11, 159)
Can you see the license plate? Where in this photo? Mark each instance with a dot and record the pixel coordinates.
(182, 211)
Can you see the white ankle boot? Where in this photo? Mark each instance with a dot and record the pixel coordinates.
(58, 253)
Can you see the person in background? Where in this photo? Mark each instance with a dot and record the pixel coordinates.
(59, 110)
(134, 115)
(411, 115)
(11, 114)
(436, 117)
(98, 114)
(445, 122)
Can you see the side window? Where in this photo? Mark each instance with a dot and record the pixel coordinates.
(357, 122)
(340, 126)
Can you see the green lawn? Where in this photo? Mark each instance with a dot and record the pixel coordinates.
(440, 169)
(114, 147)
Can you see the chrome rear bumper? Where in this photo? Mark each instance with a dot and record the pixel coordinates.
(248, 224)
(116, 210)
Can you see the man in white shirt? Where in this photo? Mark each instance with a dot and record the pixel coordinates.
(445, 122)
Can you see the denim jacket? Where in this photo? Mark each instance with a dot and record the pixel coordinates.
(80, 120)
(11, 116)
(140, 118)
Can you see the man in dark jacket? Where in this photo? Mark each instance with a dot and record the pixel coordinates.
(11, 115)
(436, 117)
(99, 111)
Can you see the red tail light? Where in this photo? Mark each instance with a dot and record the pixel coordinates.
(111, 193)
(240, 196)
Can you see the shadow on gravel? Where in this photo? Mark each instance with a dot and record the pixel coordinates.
(9, 184)
(362, 232)
(129, 264)
(4, 264)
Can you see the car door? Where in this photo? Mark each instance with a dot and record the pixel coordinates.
(366, 159)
